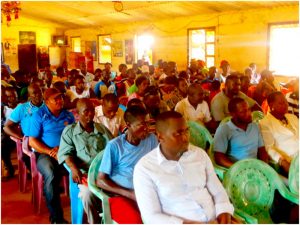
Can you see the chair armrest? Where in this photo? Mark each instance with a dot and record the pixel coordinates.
(239, 214)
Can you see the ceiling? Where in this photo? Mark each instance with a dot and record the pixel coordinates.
(80, 14)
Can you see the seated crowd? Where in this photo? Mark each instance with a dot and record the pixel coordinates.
(139, 119)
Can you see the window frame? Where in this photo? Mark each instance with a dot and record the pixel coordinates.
(269, 40)
(72, 42)
(99, 49)
(211, 28)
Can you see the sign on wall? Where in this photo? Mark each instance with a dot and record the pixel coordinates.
(27, 37)
(117, 48)
(129, 52)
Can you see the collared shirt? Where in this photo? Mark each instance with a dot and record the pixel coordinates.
(168, 190)
(237, 143)
(48, 128)
(219, 105)
(280, 140)
(200, 114)
(73, 94)
(120, 157)
(115, 125)
(22, 113)
(84, 146)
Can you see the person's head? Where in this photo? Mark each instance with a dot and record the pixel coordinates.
(4, 74)
(98, 74)
(86, 111)
(137, 102)
(253, 67)
(245, 84)
(110, 105)
(35, 94)
(39, 82)
(248, 72)
(11, 97)
(183, 74)
(277, 103)
(60, 71)
(131, 74)
(79, 83)
(172, 132)
(140, 62)
(225, 66)
(142, 82)
(48, 77)
(195, 94)
(107, 67)
(122, 68)
(151, 98)
(151, 69)
(73, 73)
(61, 86)
(240, 111)
(215, 85)
(267, 75)
(212, 71)
(170, 83)
(182, 86)
(53, 99)
(135, 119)
(106, 75)
(83, 67)
(232, 85)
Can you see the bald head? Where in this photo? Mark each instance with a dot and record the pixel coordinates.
(84, 103)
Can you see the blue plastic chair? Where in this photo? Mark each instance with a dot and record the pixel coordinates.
(77, 212)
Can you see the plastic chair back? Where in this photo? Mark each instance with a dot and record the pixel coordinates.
(251, 184)
(257, 116)
(225, 120)
(77, 212)
(294, 176)
(92, 177)
(199, 135)
(21, 165)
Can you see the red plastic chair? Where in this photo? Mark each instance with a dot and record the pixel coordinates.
(22, 176)
(37, 178)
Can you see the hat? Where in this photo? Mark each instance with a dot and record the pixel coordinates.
(223, 63)
(51, 92)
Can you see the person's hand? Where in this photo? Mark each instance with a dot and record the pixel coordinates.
(76, 175)
(224, 218)
(285, 165)
(53, 152)
(131, 195)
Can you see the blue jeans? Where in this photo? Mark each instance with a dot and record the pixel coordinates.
(50, 169)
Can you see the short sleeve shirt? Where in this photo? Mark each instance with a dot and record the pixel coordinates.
(48, 128)
(120, 157)
(237, 143)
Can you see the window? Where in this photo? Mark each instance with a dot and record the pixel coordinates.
(201, 45)
(76, 44)
(144, 48)
(284, 49)
(104, 46)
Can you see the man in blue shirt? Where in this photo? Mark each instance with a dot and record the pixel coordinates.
(239, 138)
(45, 130)
(122, 153)
(22, 113)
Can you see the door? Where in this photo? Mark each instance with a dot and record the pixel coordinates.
(27, 57)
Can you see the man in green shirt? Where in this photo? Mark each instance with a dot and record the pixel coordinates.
(79, 144)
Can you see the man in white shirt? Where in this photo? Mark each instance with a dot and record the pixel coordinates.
(176, 182)
(194, 108)
(110, 114)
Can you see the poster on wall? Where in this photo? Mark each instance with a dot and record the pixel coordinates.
(9, 47)
(27, 37)
(129, 54)
(91, 49)
(117, 48)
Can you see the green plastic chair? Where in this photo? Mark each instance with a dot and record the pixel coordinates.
(257, 116)
(294, 176)
(225, 120)
(250, 185)
(200, 137)
(92, 176)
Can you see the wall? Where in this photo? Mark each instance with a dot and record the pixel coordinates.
(241, 35)
(10, 34)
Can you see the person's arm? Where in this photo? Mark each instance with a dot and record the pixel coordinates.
(40, 147)
(223, 206)
(76, 173)
(222, 159)
(13, 129)
(103, 181)
(263, 155)
(217, 111)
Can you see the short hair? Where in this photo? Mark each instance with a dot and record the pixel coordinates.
(272, 97)
(140, 80)
(193, 87)
(232, 105)
(244, 77)
(150, 91)
(121, 66)
(60, 68)
(110, 97)
(78, 77)
(59, 85)
(162, 120)
(133, 112)
(10, 88)
(231, 78)
(171, 80)
(134, 101)
(215, 85)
